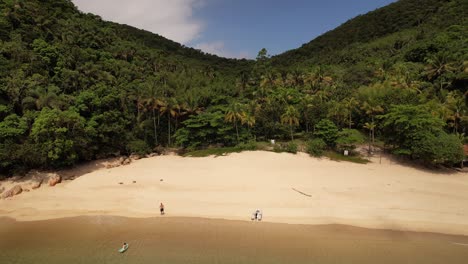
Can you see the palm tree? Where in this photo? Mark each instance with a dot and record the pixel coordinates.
(191, 105)
(291, 118)
(43, 97)
(154, 105)
(371, 127)
(234, 114)
(455, 109)
(372, 108)
(170, 108)
(268, 80)
(438, 65)
(337, 112)
(248, 119)
(307, 104)
(244, 81)
(350, 104)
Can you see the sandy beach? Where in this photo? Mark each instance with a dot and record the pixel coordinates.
(293, 189)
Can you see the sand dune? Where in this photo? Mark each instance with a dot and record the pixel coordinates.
(288, 188)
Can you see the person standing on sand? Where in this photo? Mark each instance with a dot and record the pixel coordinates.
(161, 208)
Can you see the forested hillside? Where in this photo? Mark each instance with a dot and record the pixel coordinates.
(413, 21)
(76, 88)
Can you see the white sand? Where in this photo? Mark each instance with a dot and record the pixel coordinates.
(386, 195)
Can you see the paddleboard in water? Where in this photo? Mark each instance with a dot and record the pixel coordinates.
(123, 249)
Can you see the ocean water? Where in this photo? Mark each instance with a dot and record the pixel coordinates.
(192, 240)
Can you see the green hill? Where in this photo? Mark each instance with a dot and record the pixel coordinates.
(386, 32)
(74, 87)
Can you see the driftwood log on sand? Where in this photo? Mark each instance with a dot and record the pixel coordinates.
(308, 195)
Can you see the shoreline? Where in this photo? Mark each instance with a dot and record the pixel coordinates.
(179, 239)
(386, 196)
(185, 219)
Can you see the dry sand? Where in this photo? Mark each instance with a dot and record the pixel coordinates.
(382, 195)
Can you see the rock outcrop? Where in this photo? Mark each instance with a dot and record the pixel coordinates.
(55, 180)
(152, 155)
(135, 157)
(126, 161)
(36, 185)
(12, 192)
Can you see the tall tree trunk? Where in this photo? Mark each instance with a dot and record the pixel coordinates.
(155, 129)
(169, 129)
(373, 136)
(370, 140)
(138, 113)
(373, 129)
(237, 132)
(350, 121)
(292, 134)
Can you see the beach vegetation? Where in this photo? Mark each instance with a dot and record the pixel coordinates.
(222, 151)
(316, 147)
(327, 131)
(333, 155)
(415, 132)
(289, 147)
(349, 139)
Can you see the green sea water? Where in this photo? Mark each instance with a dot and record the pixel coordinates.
(191, 240)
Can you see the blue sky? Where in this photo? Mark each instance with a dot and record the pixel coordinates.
(235, 28)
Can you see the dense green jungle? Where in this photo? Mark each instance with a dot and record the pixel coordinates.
(75, 88)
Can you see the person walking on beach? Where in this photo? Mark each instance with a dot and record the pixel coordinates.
(161, 208)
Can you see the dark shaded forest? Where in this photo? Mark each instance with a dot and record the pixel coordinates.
(75, 88)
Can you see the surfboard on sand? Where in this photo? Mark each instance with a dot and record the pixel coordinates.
(123, 249)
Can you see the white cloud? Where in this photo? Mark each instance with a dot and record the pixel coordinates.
(219, 48)
(172, 19)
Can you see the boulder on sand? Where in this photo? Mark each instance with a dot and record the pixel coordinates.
(152, 155)
(36, 185)
(13, 191)
(126, 161)
(135, 157)
(55, 180)
(112, 165)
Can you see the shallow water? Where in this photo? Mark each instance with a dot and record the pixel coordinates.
(193, 240)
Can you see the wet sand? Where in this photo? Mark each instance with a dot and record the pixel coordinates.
(95, 239)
